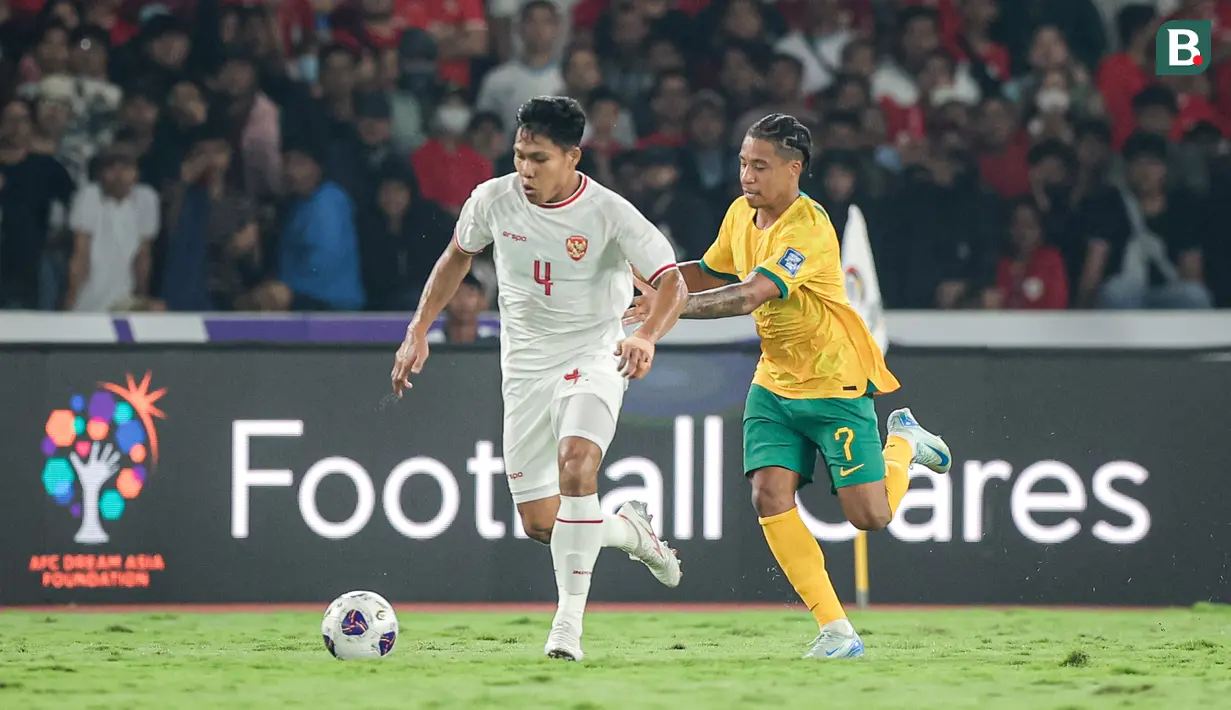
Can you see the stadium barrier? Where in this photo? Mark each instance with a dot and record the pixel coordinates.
(279, 473)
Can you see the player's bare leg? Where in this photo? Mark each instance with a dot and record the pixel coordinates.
(801, 559)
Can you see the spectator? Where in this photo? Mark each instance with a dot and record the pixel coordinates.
(1155, 110)
(618, 39)
(503, 18)
(1003, 148)
(710, 166)
(1145, 242)
(1032, 275)
(785, 95)
(254, 125)
(462, 325)
(35, 191)
(139, 114)
(446, 167)
(187, 110)
(938, 240)
(669, 105)
(459, 28)
(536, 72)
(583, 81)
(415, 88)
(114, 222)
(896, 81)
(487, 135)
(318, 251)
(973, 42)
(1050, 58)
(679, 213)
(401, 240)
(214, 252)
(1121, 76)
(50, 56)
(1053, 166)
(742, 77)
(1093, 145)
(819, 48)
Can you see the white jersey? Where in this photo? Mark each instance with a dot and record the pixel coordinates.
(563, 269)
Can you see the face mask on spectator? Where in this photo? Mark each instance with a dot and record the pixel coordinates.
(453, 119)
(1052, 100)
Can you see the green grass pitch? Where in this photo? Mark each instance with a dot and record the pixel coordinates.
(944, 659)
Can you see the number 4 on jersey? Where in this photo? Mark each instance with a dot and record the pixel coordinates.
(542, 275)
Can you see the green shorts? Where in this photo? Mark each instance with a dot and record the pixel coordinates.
(789, 433)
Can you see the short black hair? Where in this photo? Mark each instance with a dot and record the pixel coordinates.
(839, 118)
(1133, 19)
(1144, 145)
(602, 93)
(1093, 128)
(559, 119)
(664, 77)
(538, 5)
(789, 137)
(1052, 148)
(1156, 96)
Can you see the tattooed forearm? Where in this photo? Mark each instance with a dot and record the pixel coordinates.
(722, 302)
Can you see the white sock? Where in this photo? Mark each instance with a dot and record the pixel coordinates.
(575, 542)
(618, 533)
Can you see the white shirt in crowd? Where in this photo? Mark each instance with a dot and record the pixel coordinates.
(513, 83)
(117, 230)
(821, 57)
(563, 269)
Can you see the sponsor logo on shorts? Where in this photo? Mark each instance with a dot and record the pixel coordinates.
(791, 261)
(844, 472)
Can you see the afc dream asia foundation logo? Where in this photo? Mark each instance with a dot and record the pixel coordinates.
(1183, 47)
(100, 451)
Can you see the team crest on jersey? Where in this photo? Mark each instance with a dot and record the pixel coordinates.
(576, 246)
(791, 261)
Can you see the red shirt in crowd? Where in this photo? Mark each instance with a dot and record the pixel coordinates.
(1119, 79)
(1008, 172)
(447, 178)
(1038, 282)
(662, 139)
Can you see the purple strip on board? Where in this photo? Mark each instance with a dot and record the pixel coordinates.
(317, 329)
(123, 330)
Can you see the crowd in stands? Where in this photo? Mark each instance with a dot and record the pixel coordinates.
(306, 155)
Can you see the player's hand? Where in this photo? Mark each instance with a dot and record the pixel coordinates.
(640, 310)
(636, 355)
(408, 361)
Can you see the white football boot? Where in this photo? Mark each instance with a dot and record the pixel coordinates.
(837, 639)
(652, 552)
(929, 450)
(564, 641)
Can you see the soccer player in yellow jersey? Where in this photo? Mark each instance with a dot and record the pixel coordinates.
(777, 257)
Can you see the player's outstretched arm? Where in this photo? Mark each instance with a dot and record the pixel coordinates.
(698, 279)
(446, 276)
(738, 299)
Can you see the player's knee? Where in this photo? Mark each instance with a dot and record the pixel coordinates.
(769, 500)
(539, 531)
(579, 460)
(869, 519)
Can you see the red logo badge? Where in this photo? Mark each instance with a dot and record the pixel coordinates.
(576, 247)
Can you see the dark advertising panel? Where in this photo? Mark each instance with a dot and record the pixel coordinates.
(214, 475)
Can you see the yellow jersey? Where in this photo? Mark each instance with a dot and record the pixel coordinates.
(813, 343)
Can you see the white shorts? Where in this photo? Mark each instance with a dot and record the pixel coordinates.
(540, 411)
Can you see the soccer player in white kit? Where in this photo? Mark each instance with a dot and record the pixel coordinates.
(565, 248)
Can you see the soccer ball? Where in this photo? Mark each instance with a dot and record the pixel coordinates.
(359, 625)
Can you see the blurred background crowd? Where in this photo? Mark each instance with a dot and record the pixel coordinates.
(278, 155)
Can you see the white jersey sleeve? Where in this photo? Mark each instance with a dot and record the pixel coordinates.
(472, 234)
(643, 246)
